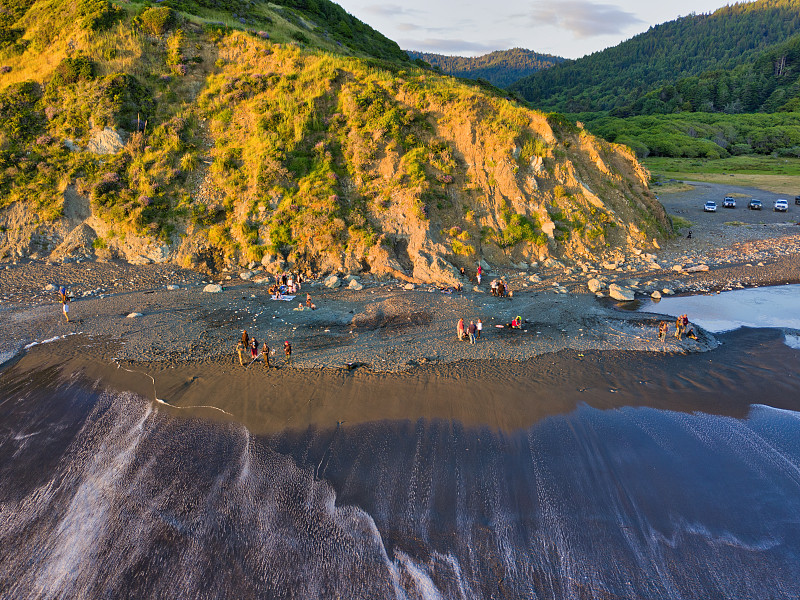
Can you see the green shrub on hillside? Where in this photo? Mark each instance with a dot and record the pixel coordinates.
(97, 15)
(72, 70)
(157, 20)
(20, 119)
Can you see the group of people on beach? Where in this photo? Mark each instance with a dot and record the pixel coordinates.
(286, 284)
(471, 332)
(681, 329)
(249, 345)
(500, 288)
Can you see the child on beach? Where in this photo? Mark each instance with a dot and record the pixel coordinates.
(64, 299)
(287, 350)
(265, 355)
(478, 329)
(240, 352)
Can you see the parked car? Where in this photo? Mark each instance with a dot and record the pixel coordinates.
(797, 199)
(710, 206)
(754, 204)
(729, 202)
(781, 205)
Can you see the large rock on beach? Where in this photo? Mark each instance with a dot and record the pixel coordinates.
(595, 285)
(213, 288)
(355, 285)
(332, 282)
(617, 292)
(697, 269)
(246, 275)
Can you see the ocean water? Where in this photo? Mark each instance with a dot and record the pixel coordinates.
(105, 494)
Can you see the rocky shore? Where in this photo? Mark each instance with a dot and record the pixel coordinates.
(160, 313)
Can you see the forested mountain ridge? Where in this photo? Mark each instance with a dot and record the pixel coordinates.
(616, 78)
(211, 138)
(500, 68)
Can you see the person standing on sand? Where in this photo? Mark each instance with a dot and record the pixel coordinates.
(265, 354)
(64, 299)
(471, 331)
(287, 350)
(245, 340)
(478, 329)
(240, 351)
(460, 329)
(679, 328)
(480, 272)
(662, 331)
(253, 350)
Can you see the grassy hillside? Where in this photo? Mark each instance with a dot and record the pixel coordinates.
(245, 135)
(617, 78)
(500, 68)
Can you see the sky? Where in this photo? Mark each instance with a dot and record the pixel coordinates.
(568, 28)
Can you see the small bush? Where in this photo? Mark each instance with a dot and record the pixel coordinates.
(157, 20)
(97, 15)
(72, 70)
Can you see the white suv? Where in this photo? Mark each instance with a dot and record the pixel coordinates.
(781, 205)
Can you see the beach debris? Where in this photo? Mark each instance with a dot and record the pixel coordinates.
(213, 288)
(617, 292)
(134, 315)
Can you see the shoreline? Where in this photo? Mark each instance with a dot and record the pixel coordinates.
(502, 395)
(159, 314)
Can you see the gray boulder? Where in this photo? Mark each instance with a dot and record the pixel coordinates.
(213, 288)
(620, 293)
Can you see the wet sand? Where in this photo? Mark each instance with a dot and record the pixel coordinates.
(501, 395)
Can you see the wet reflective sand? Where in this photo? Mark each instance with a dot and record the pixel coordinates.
(597, 476)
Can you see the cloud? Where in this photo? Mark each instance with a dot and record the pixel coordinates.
(390, 10)
(583, 18)
(445, 46)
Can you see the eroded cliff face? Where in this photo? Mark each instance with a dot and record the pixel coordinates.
(297, 159)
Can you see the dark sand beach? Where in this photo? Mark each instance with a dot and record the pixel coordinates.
(578, 457)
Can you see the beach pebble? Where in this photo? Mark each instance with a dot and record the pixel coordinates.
(213, 288)
(656, 295)
(677, 268)
(667, 292)
(133, 315)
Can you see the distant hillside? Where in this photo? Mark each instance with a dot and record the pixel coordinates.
(618, 77)
(500, 68)
(224, 133)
